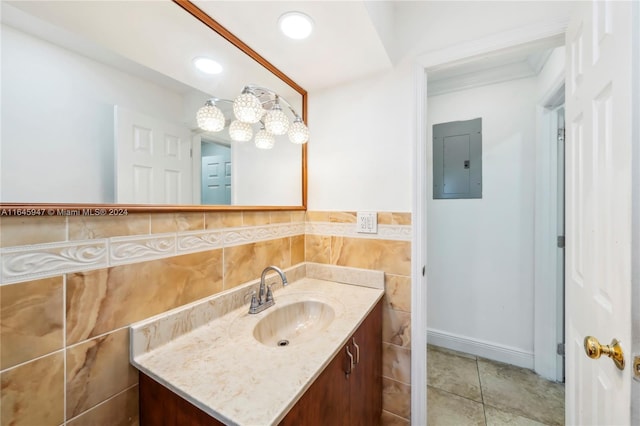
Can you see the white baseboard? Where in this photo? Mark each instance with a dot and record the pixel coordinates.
(481, 348)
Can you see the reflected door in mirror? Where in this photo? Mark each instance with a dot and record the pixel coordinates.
(216, 174)
(153, 160)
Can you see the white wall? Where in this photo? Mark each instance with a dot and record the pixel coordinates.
(480, 251)
(57, 121)
(361, 132)
(360, 146)
(266, 177)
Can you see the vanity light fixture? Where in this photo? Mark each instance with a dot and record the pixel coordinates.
(276, 121)
(247, 107)
(207, 65)
(240, 132)
(295, 25)
(264, 139)
(209, 117)
(298, 132)
(256, 105)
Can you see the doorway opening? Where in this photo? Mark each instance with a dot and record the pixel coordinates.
(491, 258)
(496, 263)
(215, 173)
(552, 36)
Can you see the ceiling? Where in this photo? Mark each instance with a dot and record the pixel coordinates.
(344, 46)
(351, 39)
(521, 62)
(354, 39)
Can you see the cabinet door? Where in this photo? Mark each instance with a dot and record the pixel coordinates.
(366, 380)
(159, 407)
(326, 402)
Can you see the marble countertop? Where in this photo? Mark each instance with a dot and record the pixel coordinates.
(222, 369)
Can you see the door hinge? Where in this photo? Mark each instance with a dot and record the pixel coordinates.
(636, 367)
(560, 349)
(560, 135)
(190, 152)
(560, 241)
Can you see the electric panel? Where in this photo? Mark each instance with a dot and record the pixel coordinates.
(457, 159)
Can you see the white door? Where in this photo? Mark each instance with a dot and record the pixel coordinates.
(153, 160)
(216, 179)
(598, 208)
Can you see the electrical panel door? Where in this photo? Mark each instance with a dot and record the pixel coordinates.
(457, 159)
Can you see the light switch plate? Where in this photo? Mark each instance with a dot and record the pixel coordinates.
(367, 223)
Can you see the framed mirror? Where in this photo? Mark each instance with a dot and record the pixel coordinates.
(89, 88)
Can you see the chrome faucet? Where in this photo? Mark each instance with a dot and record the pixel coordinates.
(265, 296)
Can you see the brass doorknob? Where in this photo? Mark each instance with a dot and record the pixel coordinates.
(594, 349)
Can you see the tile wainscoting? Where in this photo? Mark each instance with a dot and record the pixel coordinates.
(330, 237)
(72, 285)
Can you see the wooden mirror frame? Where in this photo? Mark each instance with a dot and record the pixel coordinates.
(54, 209)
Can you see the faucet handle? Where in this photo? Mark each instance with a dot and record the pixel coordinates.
(269, 293)
(254, 301)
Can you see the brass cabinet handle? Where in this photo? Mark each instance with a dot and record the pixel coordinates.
(594, 349)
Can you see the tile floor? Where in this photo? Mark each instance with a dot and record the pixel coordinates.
(467, 390)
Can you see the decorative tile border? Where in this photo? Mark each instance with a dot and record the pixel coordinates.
(239, 236)
(124, 250)
(25, 263)
(199, 241)
(385, 232)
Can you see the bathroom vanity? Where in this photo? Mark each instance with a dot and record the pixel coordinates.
(315, 357)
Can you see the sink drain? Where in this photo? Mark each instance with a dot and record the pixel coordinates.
(283, 342)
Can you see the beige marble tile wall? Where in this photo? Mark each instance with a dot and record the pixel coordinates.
(63, 336)
(64, 340)
(331, 238)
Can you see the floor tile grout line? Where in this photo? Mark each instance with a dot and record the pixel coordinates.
(487, 375)
(484, 408)
(454, 394)
(508, 411)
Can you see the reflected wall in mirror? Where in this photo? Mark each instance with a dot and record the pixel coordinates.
(99, 106)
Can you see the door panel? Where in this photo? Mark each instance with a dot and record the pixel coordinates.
(153, 160)
(216, 179)
(456, 157)
(598, 249)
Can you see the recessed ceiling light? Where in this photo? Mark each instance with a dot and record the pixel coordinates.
(295, 25)
(207, 65)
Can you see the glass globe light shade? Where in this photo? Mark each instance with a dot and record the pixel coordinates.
(240, 132)
(275, 121)
(247, 108)
(264, 139)
(298, 132)
(210, 118)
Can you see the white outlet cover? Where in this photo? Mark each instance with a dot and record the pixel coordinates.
(367, 223)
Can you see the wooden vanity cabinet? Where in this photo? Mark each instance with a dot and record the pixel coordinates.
(160, 406)
(336, 398)
(366, 378)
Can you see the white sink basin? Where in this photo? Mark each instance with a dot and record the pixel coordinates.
(293, 323)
